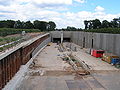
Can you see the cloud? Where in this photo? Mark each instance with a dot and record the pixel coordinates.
(80, 1)
(27, 10)
(52, 1)
(2, 2)
(99, 9)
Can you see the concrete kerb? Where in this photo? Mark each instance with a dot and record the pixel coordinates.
(19, 76)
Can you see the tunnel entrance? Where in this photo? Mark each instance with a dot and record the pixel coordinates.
(66, 39)
(56, 40)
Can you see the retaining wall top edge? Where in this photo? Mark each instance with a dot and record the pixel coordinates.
(22, 45)
(34, 39)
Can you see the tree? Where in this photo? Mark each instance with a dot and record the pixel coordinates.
(36, 24)
(90, 26)
(114, 23)
(2, 24)
(7, 24)
(51, 25)
(10, 24)
(119, 22)
(28, 25)
(86, 24)
(71, 28)
(42, 25)
(105, 24)
(96, 24)
(18, 24)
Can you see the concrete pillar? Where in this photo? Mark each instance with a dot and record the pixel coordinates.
(61, 36)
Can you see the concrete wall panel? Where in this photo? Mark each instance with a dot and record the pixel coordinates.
(108, 42)
(67, 34)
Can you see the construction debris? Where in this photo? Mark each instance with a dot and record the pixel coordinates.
(74, 62)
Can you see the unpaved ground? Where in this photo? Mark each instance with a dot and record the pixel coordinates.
(95, 64)
(50, 59)
(49, 72)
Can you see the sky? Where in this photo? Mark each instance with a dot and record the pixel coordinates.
(63, 12)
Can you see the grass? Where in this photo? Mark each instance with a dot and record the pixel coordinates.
(11, 31)
(1, 49)
(8, 39)
(7, 46)
(7, 36)
(4, 40)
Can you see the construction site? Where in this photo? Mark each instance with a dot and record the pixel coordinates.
(63, 60)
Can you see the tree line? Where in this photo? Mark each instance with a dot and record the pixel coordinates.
(96, 24)
(42, 25)
(70, 28)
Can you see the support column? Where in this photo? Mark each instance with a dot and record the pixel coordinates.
(61, 36)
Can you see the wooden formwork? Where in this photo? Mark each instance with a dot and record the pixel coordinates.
(10, 64)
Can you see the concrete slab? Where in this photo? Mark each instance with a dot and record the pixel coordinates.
(50, 60)
(92, 62)
(110, 80)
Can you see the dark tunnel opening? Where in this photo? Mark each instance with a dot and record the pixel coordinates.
(56, 40)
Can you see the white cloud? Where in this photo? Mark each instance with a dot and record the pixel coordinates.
(99, 9)
(52, 1)
(45, 2)
(27, 10)
(80, 1)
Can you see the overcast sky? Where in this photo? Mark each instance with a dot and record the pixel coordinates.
(63, 12)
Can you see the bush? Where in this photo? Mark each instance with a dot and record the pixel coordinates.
(10, 31)
(105, 30)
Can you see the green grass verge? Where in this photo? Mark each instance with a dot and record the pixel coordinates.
(4, 40)
(7, 47)
(11, 31)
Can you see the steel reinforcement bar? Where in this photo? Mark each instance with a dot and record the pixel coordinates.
(11, 61)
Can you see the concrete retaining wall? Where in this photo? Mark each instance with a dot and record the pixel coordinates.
(57, 34)
(45, 42)
(108, 42)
